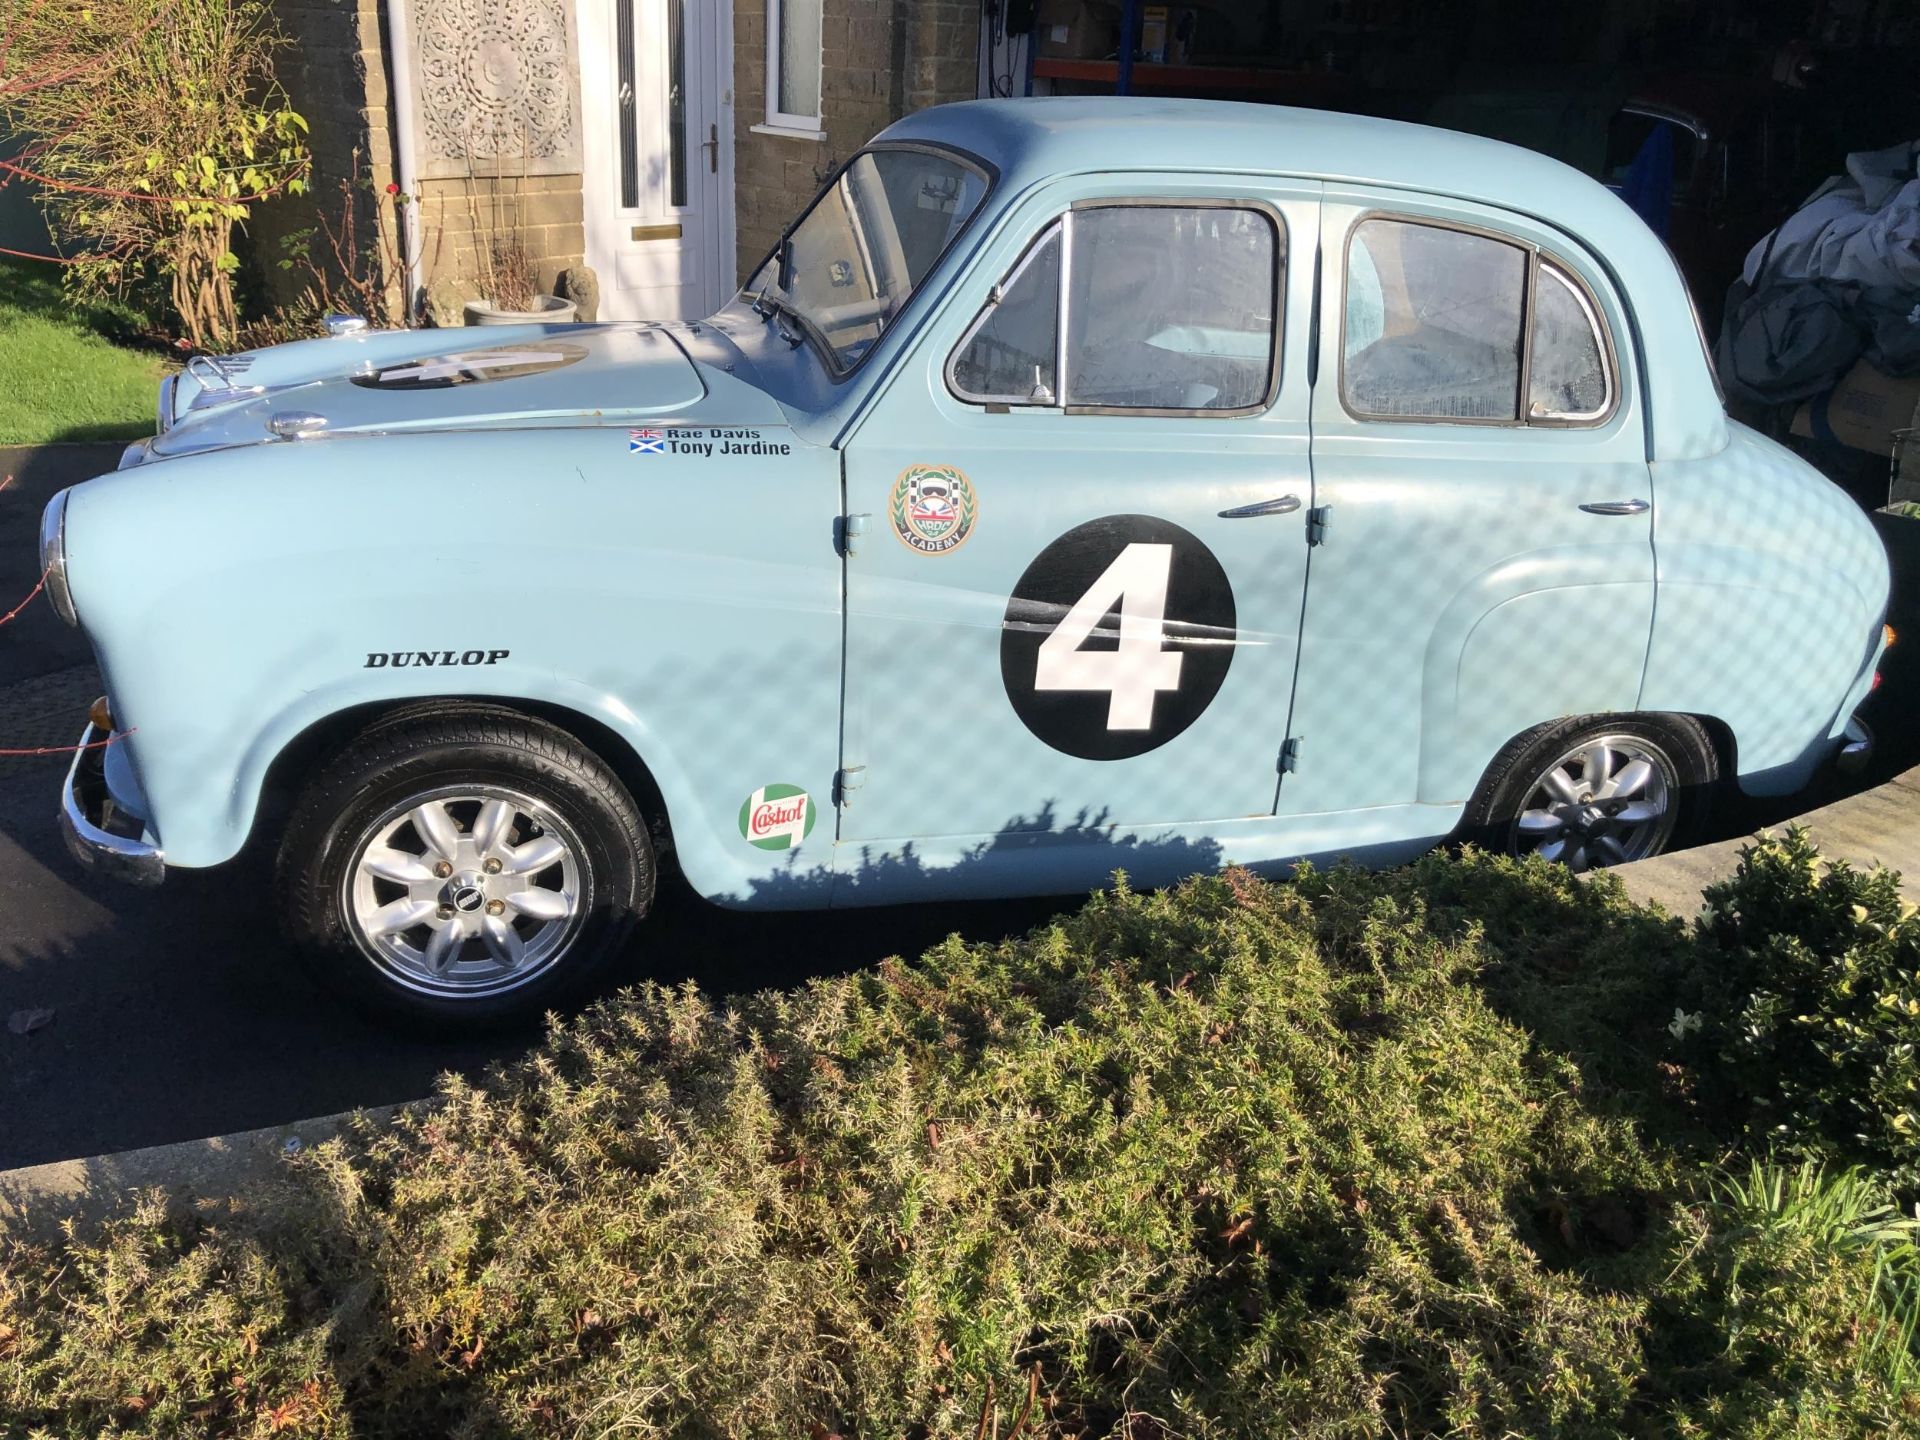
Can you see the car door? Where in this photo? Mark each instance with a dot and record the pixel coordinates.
(1073, 613)
(1480, 451)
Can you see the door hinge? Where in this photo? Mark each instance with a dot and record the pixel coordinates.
(847, 530)
(1290, 756)
(845, 782)
(1317, 524)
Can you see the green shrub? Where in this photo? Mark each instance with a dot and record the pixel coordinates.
(1819, 966)
(1234, 1160)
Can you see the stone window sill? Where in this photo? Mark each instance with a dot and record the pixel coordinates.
(788, 132)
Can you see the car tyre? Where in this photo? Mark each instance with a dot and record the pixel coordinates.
(463, 871)
(1597, 790)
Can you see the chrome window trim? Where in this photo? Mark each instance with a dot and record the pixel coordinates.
(987, 312)
(1281, 257)
(1536, 254)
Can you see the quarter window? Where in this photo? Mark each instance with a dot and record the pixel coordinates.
(1154, 308)
(1437, 328)
(1569, 368)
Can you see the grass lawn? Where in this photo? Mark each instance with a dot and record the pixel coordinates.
(59, 378)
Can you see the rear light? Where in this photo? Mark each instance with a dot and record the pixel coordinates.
(1876, 682)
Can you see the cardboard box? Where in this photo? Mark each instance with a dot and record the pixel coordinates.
(1862, 411)
(1077, 29)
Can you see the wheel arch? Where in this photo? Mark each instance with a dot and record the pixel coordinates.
(325, 737)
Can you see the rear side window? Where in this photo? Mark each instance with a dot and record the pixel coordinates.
(1448, 324)
(1161, 309)
(1433, 323)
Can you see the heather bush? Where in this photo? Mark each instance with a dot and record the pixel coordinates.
(1346, 1156)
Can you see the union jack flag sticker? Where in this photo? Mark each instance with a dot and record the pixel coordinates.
(646, 442)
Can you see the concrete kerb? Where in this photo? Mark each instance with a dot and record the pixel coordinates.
(1880, 826)
(38, 1198)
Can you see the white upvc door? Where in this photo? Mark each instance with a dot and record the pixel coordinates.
(656, 96)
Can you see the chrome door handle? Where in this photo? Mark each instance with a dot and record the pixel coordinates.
(1285, 505)
(1617, 507)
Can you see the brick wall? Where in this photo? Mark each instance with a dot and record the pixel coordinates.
(336, 73)
(460, 218)
(881, 59)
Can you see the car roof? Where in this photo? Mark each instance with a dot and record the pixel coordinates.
(1080, 133)
(1029, 141)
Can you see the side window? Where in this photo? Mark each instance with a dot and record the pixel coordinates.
(1433, 327)
(1133, 307)
(1171, 308)
(1437, 324)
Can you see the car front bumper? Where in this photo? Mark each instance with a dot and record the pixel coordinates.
(96, 830)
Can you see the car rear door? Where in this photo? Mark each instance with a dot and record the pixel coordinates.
(1073, 613)
(1480, 451)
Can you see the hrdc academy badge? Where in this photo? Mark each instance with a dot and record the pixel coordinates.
(933, 508)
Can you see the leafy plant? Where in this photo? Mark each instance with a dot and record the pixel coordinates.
(1847, 1215)
(1819, 1031)
(362, 268)
(157, 128)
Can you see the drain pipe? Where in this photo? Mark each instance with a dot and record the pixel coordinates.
(400, 77)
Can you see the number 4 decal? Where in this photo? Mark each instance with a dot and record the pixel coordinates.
(1101, 691)
(1140, 669)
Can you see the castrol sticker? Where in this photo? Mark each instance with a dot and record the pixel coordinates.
(776, 817)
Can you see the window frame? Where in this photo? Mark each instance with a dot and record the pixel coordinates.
(1537, 254)
(784, 120)
(1064, 220)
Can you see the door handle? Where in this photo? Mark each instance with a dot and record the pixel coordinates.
(1285, 505)
(712, 146)
(1617, 507)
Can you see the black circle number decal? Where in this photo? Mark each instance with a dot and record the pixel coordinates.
(1118, 637)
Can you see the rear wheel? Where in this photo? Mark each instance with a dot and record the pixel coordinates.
(1596, 791)
(463, 871)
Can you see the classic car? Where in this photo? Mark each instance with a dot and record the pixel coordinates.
(1080, 485)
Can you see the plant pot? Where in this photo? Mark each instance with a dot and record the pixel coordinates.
(549, 309)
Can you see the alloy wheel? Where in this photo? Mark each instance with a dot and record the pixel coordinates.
(1609, 800)
(466, 892)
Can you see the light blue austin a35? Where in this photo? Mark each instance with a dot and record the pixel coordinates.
(1080, 485)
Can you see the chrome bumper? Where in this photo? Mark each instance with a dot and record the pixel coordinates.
(1856, 747)
(89, 822)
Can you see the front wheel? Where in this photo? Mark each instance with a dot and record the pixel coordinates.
(462, 872)
(1595, 791)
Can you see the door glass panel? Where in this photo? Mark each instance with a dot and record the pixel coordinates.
(1171, 307)
(1433, 323)
(1009, 354)
(629, 144)
(676, 104)
(1569, 379)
